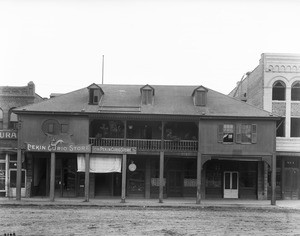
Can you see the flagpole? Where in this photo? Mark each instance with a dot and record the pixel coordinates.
(102, 69)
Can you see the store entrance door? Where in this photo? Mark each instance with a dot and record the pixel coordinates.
(291, 183)
(66, 177)
(231, 183)
(175, 184)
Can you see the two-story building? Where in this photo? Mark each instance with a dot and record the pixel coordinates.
(147, 142)
(12, 97)
(274, 85)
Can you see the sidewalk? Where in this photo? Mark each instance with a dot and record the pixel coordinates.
(167, 203)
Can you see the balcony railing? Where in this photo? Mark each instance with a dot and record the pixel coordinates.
(147, 144)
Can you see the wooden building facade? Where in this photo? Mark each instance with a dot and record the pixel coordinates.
(147, 142)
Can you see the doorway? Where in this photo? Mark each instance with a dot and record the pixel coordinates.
(231, 183)
(175, 184)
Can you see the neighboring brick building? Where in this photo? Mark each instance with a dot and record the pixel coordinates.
(10, 98)
(274, 85)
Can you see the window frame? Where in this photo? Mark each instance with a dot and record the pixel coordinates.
(239, 133)
(295, 95)
(275, 94)
(222, 132)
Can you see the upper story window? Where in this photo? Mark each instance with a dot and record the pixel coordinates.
(147, 94)
(13, 120)
(241, 133)
(226, 133)
(200, 96)
(95, 94)
(51, 127)
(246, 133)
(1, 119)
(280, 128)
(296, 91)
(295, 127)
(278, 91)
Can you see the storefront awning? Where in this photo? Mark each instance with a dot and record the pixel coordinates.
(100, 163)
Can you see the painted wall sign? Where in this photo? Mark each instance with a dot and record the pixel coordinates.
(8, 134)
(115, 150)
(62, 147)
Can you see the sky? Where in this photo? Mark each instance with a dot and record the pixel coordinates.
(59, 44)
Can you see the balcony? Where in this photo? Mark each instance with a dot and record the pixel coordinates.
(148, 144)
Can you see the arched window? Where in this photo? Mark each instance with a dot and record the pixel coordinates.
(13, 119)
(1, 119)
(278, 91)
(296, 91)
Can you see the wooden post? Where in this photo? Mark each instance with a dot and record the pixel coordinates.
(52, 177)
(273, 180)
(199, 168)
(161, 177)
(147, 179)
(87, 178)
(19, 174)
(124, 169)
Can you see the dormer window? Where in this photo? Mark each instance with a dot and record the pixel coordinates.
(200, 96)
(147, 94)
(95, 94)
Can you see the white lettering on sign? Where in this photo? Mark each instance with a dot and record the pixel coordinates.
(65, 148)
(8, 134)
(116, 150)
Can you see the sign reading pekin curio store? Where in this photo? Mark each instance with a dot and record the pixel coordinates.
(58, 148)
(8, 134)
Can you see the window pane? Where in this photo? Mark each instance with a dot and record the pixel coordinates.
(13, 179)
(280, 128)
(278, 91)
(296, 92)
(295, 127)
(234, 180)
(246, 133)
(228, 133)
(227, 180)
(2, 176)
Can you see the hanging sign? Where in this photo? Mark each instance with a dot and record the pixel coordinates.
(114, 150)
(84, 148)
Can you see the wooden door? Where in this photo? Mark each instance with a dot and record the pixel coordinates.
(231, 184)
(291, 185)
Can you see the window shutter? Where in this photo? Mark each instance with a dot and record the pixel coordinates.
(254, 134)
(220, 133)
(238, 133)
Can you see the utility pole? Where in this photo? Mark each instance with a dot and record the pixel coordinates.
(102, 69)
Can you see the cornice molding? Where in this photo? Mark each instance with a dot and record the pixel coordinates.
(282, 68)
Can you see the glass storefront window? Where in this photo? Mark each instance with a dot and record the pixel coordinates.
(13, 179)
(2, 176)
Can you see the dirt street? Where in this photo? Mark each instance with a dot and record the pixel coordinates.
(58, 220)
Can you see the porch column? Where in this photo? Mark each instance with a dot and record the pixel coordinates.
(19, 174)
(148, 179)
(87, 178)
(199, 168)
(124, 169)
(52, 177)
(161, 176)
(273, 180)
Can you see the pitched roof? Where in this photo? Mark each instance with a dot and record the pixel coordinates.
(169, 100)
